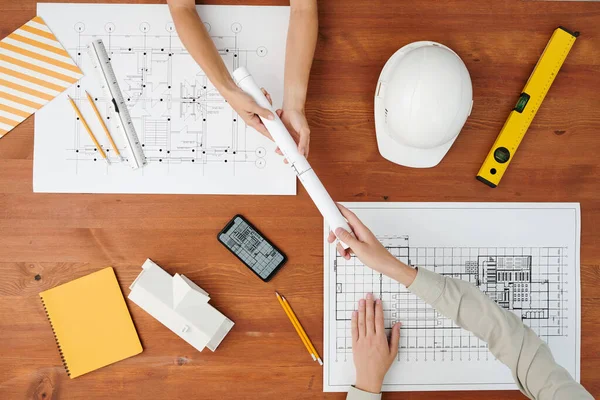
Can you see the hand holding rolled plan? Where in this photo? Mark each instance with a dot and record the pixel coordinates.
(297, 161)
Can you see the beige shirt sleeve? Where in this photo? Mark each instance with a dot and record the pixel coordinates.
(510, 341)
(357, 394)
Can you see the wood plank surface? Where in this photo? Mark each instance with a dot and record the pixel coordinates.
(49, 239)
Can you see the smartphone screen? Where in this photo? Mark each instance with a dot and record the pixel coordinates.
(256, 252)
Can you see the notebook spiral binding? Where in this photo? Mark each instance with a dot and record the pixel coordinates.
(62, 357)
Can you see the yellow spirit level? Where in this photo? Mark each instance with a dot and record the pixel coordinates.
(529, 102)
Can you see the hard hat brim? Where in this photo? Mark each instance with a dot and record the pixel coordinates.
(401, 154)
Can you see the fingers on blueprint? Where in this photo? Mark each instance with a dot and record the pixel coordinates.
(395, 339)
(354, 325)
(380, 329)
(369, 321)
(379, 321)
(370, 315)
(361, 318)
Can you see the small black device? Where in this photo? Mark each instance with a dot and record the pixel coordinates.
(251, 247)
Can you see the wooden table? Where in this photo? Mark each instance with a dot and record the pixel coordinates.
(49, 239)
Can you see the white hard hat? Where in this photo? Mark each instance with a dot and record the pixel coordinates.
(423, 98)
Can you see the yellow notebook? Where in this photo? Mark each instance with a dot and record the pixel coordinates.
(91, 322)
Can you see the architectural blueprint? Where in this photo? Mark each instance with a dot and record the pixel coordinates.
(193, 140)
(524, 256)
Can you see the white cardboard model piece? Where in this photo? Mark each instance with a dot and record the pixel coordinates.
(180, 305)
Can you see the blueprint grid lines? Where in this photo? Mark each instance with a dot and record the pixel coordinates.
(193, 140)
(525, 258)
(152, 84)
(504, 274)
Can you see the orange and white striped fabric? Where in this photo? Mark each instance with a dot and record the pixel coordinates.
(34, 69)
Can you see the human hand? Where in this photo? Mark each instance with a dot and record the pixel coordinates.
(373, 356)
(296, 123)
(248, 110)
(365, 245)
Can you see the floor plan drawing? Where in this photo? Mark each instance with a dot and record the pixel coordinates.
(193, 140)
(504, 276)
(538, 283)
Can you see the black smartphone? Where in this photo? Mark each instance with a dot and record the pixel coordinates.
(246, 243)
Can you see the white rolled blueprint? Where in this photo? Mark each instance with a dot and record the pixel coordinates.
(297, 161)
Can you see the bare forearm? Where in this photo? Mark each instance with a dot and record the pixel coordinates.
(401, 272)
(300, 50)
(198, 43)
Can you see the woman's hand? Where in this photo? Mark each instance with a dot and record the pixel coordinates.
(365, 245)
(370, 250)
(296, 123)
(248, 110)
(373, 356)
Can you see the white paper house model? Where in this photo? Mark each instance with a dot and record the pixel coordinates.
(180, 305)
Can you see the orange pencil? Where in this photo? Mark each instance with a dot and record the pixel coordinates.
(296, 327)
(302, 331)
(112, 142)
(89, 131)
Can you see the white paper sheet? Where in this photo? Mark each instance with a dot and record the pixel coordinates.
(537, 245)
(194, 142)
